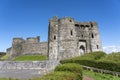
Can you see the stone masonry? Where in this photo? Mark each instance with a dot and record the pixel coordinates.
(66, 38)
(31, 46)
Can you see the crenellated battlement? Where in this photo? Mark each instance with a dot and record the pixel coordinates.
(18, 40)
(33, 39)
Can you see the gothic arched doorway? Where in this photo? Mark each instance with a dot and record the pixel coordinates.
(81, 50)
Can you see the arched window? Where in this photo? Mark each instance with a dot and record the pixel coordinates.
(54, 37)
(71, 32)
(92, 35)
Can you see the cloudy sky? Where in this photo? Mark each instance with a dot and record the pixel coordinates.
(29, 18)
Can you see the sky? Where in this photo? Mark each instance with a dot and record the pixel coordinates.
(30, 18)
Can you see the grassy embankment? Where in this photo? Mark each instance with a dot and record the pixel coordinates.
(62, 73)
(99, 76)
(98, 60)
(31, 58)
(68, 71)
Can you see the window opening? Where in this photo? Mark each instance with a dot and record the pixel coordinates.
(54, 37)
(70, 20)
(77, 25)
(71, 32)
(97, 46)
(91, 25)
(82, 35)
(92, 36)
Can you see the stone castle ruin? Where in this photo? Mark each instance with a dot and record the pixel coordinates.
(66, 38)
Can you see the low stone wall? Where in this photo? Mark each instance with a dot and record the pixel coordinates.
(46, 65)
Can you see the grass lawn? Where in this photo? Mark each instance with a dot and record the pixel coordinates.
(99, 76)
(30, 58)
(8, 79)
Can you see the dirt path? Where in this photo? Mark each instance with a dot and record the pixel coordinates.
(87, 78)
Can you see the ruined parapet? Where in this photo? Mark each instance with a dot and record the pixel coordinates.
(33, 39)
(40, 48)
(17, 45)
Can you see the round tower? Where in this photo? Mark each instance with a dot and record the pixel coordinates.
(67, 38)
(95, 37)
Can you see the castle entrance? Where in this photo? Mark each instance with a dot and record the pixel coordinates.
(81, 50)
(81, 47)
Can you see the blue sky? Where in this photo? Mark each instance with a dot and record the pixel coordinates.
(29, 18)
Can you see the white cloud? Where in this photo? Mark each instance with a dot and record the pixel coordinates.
(110, 49)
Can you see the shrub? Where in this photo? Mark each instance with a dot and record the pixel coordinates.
(70, 67)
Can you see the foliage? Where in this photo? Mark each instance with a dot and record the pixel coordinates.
(99, 76)
(30, 58)
(71, 67)
(60, 75)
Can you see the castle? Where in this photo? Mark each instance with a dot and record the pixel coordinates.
(66, 38)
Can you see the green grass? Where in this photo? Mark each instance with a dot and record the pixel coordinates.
(98, 60)
(5, 57)
(91, 56)
(69, 71)
(71, 67)
(59, 75)
(114, 57)
(8, 79)
(99, 76)
(31, 58)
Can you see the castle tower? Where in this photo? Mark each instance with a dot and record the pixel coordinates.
(67, 38)
(95, 38)
(62, 38)
(53, 39)
(17, 47)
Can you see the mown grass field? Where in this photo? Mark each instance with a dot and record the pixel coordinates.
(31, 58)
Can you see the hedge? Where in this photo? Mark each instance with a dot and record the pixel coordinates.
(112, 66)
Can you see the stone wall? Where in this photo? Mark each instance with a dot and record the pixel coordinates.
(47, 65)
(30, 46)
(35, 48)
